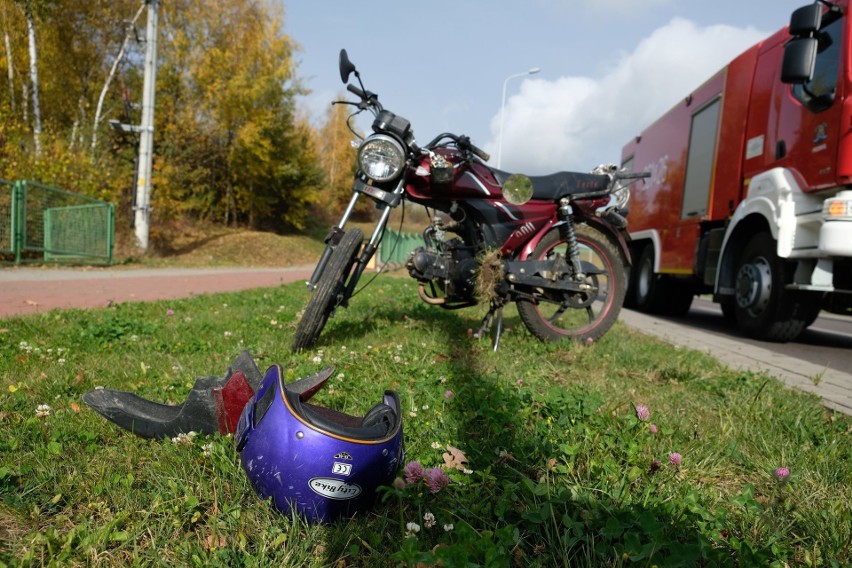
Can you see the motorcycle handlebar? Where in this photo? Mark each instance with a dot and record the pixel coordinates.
(355, 90)
(632, 175)
(485, 156)
(463, 142)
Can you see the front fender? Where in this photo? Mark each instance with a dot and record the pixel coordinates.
(770, 204)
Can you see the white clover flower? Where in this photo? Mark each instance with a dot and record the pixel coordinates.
(413, 414)
(340, 376)
(397, 359)
(134, 337)
(448, 527)
(184, 439)
(411, 529)
(436, 445)
(43, 411)
(317, 359)
(207, 449)
(61, 361)
(228, 334)
(424, 407)
(429, 520)
(273, 322)
(467, 471)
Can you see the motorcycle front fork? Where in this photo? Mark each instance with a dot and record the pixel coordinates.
(336, 233)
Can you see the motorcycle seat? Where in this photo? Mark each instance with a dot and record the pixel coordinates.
(553, 187)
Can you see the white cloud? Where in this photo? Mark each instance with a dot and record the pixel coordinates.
(575, 123)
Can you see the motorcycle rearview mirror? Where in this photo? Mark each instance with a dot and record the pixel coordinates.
(346, 67)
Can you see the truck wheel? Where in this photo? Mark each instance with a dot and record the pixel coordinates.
(645, 282)
(657, 294)
(764, 308)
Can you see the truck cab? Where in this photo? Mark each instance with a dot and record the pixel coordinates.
(750, 197)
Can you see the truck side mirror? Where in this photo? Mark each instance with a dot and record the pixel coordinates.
(799, 60)
(806, 20)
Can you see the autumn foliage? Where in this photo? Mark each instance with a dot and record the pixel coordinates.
(230, 146)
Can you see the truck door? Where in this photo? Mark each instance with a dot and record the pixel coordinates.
(809, 122)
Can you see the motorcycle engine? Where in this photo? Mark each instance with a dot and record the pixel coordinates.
(453, 269)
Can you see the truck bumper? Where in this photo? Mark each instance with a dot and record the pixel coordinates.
(835, 238)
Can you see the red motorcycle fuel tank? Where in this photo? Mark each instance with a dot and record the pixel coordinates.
(474, 184)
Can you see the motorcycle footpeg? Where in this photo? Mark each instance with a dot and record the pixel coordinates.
(213, 405)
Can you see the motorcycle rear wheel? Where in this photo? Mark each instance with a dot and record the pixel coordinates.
(330, 290)
(550, 316)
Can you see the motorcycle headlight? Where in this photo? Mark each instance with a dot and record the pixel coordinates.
(381, 158)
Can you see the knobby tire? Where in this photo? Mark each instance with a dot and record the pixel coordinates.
(329, 291)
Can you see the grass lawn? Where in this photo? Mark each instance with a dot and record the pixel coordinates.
(627, 452)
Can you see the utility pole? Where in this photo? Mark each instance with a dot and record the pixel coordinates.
(146, 139)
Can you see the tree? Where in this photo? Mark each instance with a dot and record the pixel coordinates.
(228, 146)
(337, 155)
(118, 59)
(33, 52)
(232, 63)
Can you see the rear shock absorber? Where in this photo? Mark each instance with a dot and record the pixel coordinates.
(569, 234)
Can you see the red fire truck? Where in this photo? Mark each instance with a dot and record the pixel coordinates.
(750, 194)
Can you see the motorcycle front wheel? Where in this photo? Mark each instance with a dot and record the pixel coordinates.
(330, 290)
(553, 315)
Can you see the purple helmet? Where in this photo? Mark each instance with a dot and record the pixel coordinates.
(315, 461)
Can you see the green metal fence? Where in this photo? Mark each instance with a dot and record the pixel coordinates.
(7, 217)
(39, 223)
(395, 247)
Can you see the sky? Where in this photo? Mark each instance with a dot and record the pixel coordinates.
(608, 68)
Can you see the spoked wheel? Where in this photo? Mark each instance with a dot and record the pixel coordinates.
(330, 290)
(552, 315)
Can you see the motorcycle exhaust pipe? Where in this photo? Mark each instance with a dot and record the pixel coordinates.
(421, 291)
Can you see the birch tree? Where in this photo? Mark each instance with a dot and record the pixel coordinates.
(33, 52)
(129, 34)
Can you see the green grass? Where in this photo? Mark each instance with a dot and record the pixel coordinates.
(562, 471)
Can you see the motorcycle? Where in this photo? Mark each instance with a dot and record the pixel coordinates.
(555, 245)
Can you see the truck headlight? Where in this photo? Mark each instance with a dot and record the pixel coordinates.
(381, 158)
(838, 208)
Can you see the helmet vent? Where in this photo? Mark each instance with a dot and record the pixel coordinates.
(263, 404)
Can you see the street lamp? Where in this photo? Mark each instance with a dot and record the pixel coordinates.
(531, 71)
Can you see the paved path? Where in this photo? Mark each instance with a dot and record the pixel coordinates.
(33, 290)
